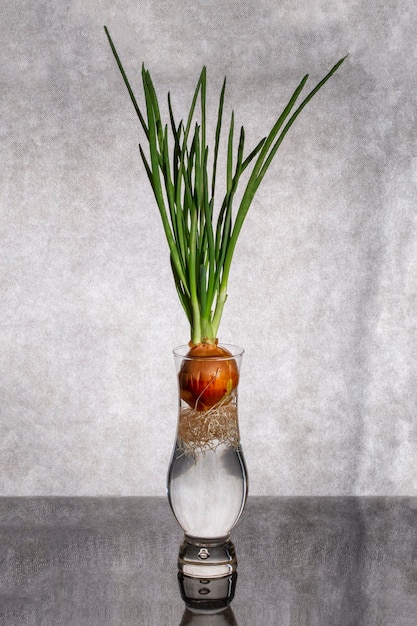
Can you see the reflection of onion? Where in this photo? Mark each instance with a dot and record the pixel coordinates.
(208, 380)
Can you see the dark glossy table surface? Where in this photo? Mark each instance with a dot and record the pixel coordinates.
(301, 561)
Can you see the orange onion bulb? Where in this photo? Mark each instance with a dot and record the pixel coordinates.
(208, 376)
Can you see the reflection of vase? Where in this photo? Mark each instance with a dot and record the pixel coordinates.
(207, 595)
(207, 479)
(221, 618)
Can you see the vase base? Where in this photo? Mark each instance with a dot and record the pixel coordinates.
(207, 559)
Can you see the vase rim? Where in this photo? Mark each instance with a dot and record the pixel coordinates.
(235, 352)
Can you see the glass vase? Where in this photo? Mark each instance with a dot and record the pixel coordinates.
(207, 477)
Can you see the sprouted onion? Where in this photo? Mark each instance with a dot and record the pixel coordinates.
(201, 237)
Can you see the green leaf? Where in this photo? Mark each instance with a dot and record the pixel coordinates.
(201, 257)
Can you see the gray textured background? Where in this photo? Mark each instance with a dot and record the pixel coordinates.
(323, 288)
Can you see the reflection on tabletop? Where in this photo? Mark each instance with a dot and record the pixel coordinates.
(224, 617)
(208, 600)
(314, 561)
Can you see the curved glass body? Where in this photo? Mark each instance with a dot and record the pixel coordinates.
(207, 478)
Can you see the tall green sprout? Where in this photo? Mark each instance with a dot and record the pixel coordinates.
(201, 240)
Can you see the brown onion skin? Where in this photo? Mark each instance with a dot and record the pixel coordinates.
(205, 381)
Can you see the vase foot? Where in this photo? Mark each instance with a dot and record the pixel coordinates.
(207, 559)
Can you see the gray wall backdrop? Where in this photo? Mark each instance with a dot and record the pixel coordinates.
(323, 288)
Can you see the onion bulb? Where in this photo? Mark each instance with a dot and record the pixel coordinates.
(208, 376)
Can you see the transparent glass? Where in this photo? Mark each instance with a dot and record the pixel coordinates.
(207, 478)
